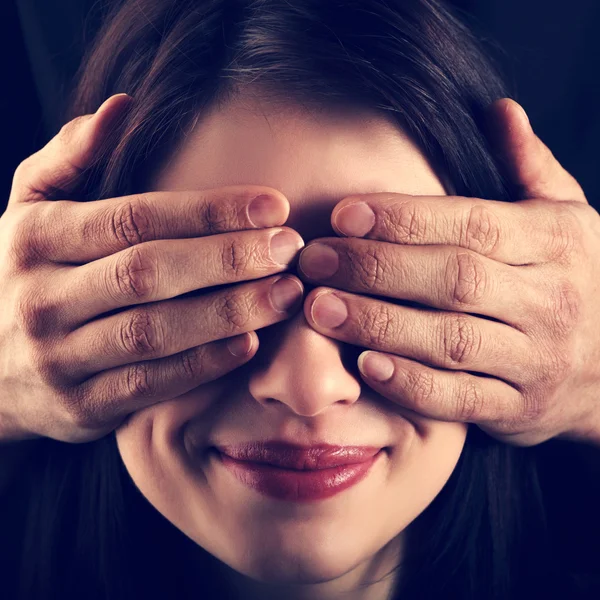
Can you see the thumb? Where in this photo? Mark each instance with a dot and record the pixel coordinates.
(529, 162)
(56, 167)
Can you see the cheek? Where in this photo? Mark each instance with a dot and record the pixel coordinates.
(419, 476)
(152, 445)
(442, 447)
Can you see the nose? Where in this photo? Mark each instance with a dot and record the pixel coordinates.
(298, 367)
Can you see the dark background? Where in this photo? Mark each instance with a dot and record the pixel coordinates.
(551, 55)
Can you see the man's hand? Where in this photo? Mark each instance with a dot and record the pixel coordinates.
(509, 337)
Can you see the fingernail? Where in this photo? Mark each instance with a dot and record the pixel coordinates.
(285, 293)
(328, 310)
(319, 261)
(266, 211)
(285, 246)
(240, 345)
(376, 366)
(355, 220)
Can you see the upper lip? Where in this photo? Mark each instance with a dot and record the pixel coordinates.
(301, 458)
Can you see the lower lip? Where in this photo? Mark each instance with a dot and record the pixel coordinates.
(297, 486)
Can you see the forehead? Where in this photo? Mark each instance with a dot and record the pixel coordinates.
(315, 158)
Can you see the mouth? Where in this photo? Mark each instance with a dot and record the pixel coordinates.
(299, 458)
(290, 484)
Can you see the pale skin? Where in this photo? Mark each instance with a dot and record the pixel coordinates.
(300, 383)
(313, 163)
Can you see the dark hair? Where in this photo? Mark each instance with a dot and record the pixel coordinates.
(89, 531)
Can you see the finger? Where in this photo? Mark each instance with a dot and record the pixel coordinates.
(442, 395)
(518, 233)
(439, 338)
(80, 232)
(528, 161)
(57, 166)
(166, 328)
(159, 270)
(110, 396)
(444, 277)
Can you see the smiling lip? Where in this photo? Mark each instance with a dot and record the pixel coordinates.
(296, 473)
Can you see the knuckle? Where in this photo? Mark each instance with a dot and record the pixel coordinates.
(552, 366)
(25, 167)
(470, 399)
(34, 313)
(235, 257)
(218, 216)
(481, 231)
(565, 306)
(135, 275)
(81, 415)
(560, 362)
(407, 220)
(377, 326)
(192, 363)
(565, 235)
(141, 334)
(132, 222)
(80, 409)
(24, 249)
(49, 367)
(461, 341)
(235, 310)
(68, 131)
(536, 372)
(369, 268)
(421, 388)
(466, 279)
(532, 408)
(141, 380)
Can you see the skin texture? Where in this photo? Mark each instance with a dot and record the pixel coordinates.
(301, 384)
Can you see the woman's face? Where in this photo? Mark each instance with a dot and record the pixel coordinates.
(300, 385)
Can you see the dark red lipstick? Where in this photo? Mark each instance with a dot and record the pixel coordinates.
(297, 473)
